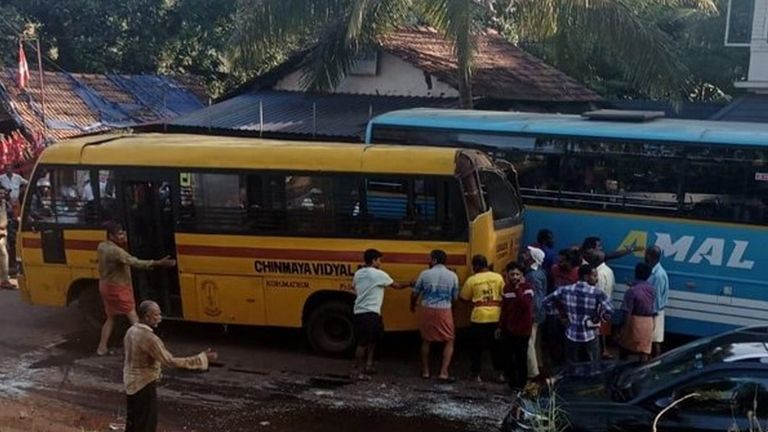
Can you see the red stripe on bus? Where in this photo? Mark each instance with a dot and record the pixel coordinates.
(264, 253)
(88, 245)
(33, 243)
(307, 254)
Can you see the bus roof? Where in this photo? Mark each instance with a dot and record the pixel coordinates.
(205, 151)
(567, 125)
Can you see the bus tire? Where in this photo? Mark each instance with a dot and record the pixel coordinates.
(330, 329)
(91, 307)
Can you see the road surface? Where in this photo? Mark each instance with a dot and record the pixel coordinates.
(267, 379)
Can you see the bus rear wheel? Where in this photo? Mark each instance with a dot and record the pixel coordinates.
(329, 328)
(91, 307)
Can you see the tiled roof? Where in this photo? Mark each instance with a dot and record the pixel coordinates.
(298, 114)
(500, 69)
(82, 103)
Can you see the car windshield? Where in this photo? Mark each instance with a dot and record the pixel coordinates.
(727, 348)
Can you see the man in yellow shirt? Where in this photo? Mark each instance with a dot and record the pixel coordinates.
(484, 289)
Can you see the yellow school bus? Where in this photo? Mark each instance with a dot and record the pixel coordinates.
(264, 232)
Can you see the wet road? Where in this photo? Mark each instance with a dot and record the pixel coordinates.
(267, 379)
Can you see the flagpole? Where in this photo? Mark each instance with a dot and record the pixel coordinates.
(42, 83)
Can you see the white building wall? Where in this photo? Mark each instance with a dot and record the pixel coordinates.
(757, 78)
(395, 77)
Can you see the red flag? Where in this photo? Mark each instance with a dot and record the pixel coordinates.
(3, 151)
(18, 146)
(23, 68)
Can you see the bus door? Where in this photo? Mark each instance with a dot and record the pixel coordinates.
(149, 222)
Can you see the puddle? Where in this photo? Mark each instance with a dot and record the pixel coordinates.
(75, 346)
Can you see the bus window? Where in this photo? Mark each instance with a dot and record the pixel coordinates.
(303, 205)
(618, 176)
(63, 196)
(631, 184)
(539, 176)
(107, 195)
(726, 187)
(414, 208)
(211, 202)
(309, 205)
(500, 196)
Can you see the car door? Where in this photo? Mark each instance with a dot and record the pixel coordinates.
(726, 400)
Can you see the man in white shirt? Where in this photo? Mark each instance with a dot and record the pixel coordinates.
(12, 182)
(369, 283)
(606, 282)
(660, 282)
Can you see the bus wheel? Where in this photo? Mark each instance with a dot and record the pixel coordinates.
(329, 328)
(91, 307)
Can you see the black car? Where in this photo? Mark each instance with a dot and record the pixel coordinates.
(729, 372)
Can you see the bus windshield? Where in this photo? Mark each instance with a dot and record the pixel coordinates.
(500, 196)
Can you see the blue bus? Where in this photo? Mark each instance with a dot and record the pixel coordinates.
(697, 189)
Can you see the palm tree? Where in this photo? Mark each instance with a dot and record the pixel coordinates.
(333, 32)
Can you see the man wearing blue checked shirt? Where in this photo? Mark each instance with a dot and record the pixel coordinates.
(586, 306)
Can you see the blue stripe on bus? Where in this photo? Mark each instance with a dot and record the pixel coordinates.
(713, 263)
(533, 124)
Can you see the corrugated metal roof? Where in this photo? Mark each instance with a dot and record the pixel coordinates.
(750, 108)
(285, 113)
(82, 103)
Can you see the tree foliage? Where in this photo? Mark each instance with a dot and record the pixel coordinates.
(666, 49)
(707, 69)
(582, 36)
(128, 36)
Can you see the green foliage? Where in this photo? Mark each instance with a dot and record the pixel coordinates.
(130, 36)
(598, 41)
(702, 68)
(666, 49)
(9, 40)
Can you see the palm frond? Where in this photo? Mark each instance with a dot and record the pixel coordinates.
(642, 51)
(357, 19)
(262, 25)
(329, 59)
(706, 6)
(535, 19)
(459, 21)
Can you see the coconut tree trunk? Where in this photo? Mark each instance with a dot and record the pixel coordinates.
(465, 88)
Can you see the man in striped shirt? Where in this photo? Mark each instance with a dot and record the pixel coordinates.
(586, 306)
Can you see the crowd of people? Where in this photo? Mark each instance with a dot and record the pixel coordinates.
(539, 313)
(545, 311)
(11, 190)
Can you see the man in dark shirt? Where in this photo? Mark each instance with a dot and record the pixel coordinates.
(639, 307)
(515, 325)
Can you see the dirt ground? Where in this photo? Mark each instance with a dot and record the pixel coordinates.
(266, 379)
(39, 414)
